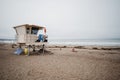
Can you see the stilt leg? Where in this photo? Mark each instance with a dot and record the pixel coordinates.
(43, 48)
(33, 48)
(28, 50)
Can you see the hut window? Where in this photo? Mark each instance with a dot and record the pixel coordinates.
(28, 30)
(34, 30)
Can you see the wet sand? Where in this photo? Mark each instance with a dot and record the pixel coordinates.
(84, 63)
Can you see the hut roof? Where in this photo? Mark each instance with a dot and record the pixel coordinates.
(27, 25)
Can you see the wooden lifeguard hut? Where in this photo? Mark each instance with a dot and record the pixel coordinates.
(27, 35)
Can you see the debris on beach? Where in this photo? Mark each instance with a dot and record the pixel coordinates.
(73, 50)
(18, 51)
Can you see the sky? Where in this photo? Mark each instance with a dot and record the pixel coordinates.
(67, 19)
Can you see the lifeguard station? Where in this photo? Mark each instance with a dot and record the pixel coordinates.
(27, 35)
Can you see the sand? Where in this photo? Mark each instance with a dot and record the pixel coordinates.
(85, 63)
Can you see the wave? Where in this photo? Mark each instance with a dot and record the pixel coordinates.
(104, 42)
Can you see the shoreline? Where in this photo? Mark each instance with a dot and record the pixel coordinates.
(77, 42)
(95, 47)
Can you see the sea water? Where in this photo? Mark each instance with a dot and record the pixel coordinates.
(101, 42)
(7, 40)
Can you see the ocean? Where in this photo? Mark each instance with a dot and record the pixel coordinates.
(7, 40)
(101, 42)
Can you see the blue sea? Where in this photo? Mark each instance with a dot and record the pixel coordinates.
(101, 42)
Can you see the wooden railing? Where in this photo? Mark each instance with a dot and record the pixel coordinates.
(28, 38)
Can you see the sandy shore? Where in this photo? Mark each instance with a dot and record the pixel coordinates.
(85, 63)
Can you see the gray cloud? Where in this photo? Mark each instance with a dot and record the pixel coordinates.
(63, 18)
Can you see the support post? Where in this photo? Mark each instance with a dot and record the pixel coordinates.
(33, 48)
(43, 48)
(28, 50)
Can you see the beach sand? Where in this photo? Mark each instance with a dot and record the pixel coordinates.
(84, 63)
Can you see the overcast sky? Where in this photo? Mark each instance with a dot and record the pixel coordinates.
(79, 19)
